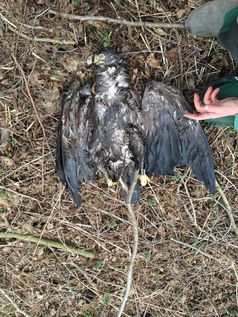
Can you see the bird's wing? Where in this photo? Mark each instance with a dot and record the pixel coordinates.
(173, 139)
(73, 163)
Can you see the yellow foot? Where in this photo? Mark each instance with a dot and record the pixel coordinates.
(144, 179)
(110, 183)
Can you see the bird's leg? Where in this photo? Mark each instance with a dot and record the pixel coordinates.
(110, 182)
(143, 178)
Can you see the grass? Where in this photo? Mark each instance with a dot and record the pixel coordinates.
(183, 267)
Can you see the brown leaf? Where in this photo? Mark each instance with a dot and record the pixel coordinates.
(71, 62)
(172, 54)
(152, 61)
(5, 135)
(6, 161)
(180, 13)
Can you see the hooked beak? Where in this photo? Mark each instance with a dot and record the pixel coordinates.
(97, 59)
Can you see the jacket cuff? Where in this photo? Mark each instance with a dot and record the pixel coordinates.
(236, 122)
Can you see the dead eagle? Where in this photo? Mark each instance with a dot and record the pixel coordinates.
(104, 127)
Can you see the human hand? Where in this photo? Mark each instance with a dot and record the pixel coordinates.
(211, 107)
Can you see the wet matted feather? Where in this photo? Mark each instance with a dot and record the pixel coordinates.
(104, 127)
(73, 161)
(101, 128)
(173, 139)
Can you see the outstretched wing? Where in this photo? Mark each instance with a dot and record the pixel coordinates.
(73, 162)
(173, 139)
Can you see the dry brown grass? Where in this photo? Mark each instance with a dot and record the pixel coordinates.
(187, 258)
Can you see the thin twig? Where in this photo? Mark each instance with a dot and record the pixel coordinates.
(85, 18)
(51, 213)
(236, 275)
(228, 208)
(47, 242)
(35, 27)
(200, 251)
(36, 113)
(41, 39)
(13, 303)
(20, 194)
(106, 213)
(29, 93)
(194, 217)
(15, 30)
(134, 246)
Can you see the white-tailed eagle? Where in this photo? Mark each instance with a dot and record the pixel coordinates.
(105, 127)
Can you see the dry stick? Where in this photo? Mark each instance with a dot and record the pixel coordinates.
(15, 30)
(35, 27)
(236, 275)
(228, 208)
(201, 252)
(29, 93)
(135, 243)
(13, 303)
(85, 18)
(47, 242)
(41, 39)
(191, 203)
(20, 194)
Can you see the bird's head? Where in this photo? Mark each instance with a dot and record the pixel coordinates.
(106, 58)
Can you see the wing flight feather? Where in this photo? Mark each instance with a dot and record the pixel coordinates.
(173, 139)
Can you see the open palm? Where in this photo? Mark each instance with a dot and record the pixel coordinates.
(212, 107)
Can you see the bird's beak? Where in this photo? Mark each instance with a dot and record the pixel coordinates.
(97, 59)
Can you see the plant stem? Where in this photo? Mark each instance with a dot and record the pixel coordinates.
(47, 242)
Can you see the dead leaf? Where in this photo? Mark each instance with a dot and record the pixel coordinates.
(50, 99)
(152, 61)
(6, 161)
(71, 62)
(5, 136)
(180, 13)
(161, 232)
(160, 32)
(172, 54)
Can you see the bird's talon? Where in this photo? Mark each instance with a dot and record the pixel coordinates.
(111, 183)
(144, 180)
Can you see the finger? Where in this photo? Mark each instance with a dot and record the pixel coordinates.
(196, 116)
(216, 110)
(214, 94)
(207, 96)
(198, 103)
(202, 116)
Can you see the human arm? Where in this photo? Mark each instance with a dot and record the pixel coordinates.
(212, 107)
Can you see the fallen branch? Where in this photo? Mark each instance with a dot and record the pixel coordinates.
(15, 30)
(88, 18)
(135, 244)
(228, 208)
(46, 242)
